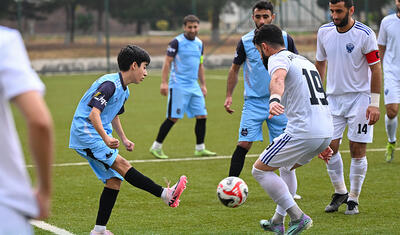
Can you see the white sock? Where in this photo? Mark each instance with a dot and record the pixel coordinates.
(290, 179)
(335, 171)
(275, 187)
(164, 194)
(391, 128)
(200, 147)
(99, 228)
(278, 218)
(358, 170)
(156, 145)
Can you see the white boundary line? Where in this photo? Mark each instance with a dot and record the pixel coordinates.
(49, 227)
(188, 159)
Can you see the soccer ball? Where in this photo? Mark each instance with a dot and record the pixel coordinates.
(232, 191)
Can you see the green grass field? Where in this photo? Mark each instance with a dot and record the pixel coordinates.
(77, 190)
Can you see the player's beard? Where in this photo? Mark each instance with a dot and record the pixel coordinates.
(258, 26)
(191, 36)
(343, 22)
(265, 60)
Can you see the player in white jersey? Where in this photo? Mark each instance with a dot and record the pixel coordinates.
(21, 85)
(389, 49)
(353, 89)
(297, 91)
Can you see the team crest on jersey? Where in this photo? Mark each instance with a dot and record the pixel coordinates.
(386, 91)
(108, 155)
(178, 111)
(244, 132)
(349, 47)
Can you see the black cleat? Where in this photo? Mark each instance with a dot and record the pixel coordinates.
(337, 200)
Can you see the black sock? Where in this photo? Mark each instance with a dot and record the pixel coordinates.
(138, 180)
(164, 129)
(237, 161)
(106, 204)
(200, 130)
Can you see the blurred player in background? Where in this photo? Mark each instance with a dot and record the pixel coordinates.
(256, 95)
(184, 66)
(91, 137)
(389, 49)
(296, 90)
(21, 85)
(351, 51)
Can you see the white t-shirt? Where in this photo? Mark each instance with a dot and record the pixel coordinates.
(16, 77)
(389, 36)
(348, 69)
(304, 98)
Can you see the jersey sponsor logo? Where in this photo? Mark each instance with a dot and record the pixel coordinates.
(100, 98)
(244, 132)
(349, 47)
(170, 49)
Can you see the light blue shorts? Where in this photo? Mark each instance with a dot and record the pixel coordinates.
(255, 112)
(189, 101)
(100, 159)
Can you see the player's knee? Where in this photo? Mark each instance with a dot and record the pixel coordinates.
(174, 120)
(113, 183)
(245, 144)
(391, 112)
(121, 165)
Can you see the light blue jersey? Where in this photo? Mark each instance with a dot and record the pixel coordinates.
(256, 77)
(185, 66)
(82, 134)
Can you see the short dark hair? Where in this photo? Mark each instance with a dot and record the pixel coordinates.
(263, 5)
(270, 34)
(347, 3)
(190, 18)
(130, 54)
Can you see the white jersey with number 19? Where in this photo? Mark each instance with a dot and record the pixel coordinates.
(304, 97)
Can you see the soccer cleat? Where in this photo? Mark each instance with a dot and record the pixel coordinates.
(204, 152)
(337, 200)
(158, 153)
(267, 225)
(352, 208)
(106, 232)
(298, 226)
(389, 155)
(297, 197)
(173, 193)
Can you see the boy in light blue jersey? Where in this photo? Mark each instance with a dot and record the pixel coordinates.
(256, 95)
(91, 135)
(184, 64)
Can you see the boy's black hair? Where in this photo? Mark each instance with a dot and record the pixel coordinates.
(347, 3)
(130, 54)
(269, 33)
(190, 18)
(263, 5)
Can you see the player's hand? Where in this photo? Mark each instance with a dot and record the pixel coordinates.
(372, 114)
(129, 145)
(275, 109)
(204, 90)
(227, 105)
(164, 89)
(112, 142)
(326, 154)
(43, 200)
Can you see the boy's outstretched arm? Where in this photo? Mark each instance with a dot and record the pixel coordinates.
(116, 123)
(94, 117)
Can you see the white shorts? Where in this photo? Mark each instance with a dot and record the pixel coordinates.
(13, 223)
(350, 109)
(285, 151)
(391, 90)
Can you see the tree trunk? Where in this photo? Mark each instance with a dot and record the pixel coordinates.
(67, 26)
(72, 33)
(139, 28)
(215, 24)
(100, 32)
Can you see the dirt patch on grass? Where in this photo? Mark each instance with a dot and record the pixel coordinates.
(55, 48)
